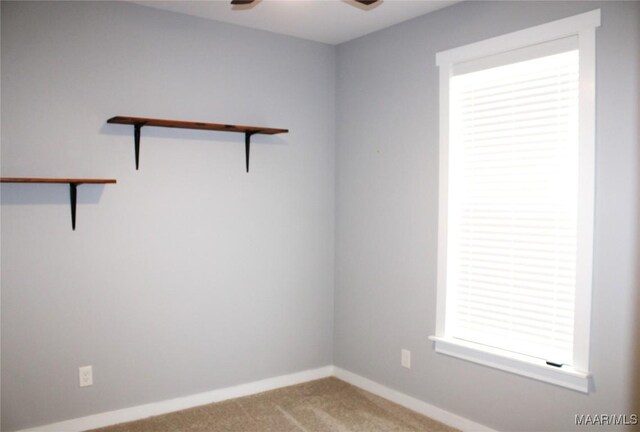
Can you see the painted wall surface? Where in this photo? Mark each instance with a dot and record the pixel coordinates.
(386, 217)
(189, 274)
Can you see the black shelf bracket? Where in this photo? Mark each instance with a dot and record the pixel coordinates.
(136, 138)
(247, 147)
(73, 194)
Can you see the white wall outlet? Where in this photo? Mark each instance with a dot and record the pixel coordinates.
(86, 376)
(405, 358)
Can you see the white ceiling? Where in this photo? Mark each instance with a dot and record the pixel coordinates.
(328, 21)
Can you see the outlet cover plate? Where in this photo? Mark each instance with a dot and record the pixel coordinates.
(405, 358)
(85, 375)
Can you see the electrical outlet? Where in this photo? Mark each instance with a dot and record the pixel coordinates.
(85, 374)
(405, 358)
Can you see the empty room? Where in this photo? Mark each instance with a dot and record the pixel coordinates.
(319, 216)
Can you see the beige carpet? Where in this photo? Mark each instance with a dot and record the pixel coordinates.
(326, 405)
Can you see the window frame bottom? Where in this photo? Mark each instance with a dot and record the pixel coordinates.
(565, 376)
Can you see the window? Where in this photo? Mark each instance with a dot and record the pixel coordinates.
(517, 145)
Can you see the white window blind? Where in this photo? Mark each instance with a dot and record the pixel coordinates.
(513, 190)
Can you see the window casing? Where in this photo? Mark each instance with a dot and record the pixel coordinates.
(517, 144)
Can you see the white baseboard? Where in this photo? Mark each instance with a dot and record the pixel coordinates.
(412, 403)
(164, 407)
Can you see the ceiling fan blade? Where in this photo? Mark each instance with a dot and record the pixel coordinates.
(366, 2)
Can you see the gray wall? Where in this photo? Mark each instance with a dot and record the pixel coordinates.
(386, 223)
(191, 275)
(188, 275)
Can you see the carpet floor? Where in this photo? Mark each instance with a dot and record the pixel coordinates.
(326, 405)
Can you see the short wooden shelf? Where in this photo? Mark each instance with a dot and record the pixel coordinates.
(73, 185)
(139, 122)
(55, 180)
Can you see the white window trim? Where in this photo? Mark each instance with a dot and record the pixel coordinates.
(513, 362)
(576, 377)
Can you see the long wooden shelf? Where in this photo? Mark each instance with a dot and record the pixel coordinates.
(139, 122)
(73, 187)
(194, 125)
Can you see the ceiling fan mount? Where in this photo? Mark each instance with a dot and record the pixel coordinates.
(248, 2)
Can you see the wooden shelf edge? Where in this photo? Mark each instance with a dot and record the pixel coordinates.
(143, 121)
(56, 180)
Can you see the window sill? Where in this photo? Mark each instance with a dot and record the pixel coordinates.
(514, 363)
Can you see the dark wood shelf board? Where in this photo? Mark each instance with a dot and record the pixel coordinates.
(142, 121)
(56, 180)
